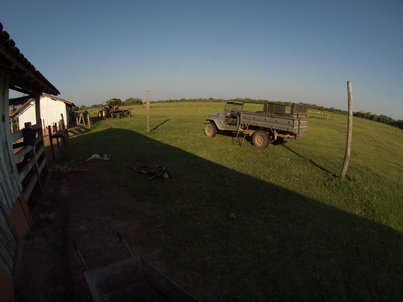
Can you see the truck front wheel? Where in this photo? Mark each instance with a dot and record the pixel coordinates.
(210, 129)
(260, 139)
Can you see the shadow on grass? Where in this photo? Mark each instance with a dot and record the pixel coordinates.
(309, 160)
(96, 119)
(159, 125)
(232, 237)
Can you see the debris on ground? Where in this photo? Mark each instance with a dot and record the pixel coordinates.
(66, 169)
(100, 156)
(157, 172)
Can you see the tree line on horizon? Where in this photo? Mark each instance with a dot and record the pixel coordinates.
(367, 115)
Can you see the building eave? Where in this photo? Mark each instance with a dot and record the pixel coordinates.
(24, 77)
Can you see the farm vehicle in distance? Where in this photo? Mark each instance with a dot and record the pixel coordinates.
(275, 123)
(113, 112)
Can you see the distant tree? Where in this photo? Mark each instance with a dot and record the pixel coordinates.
(384, 119)
(133, 101)
(398, 124)
(380, 119)
(367, 115)
(115, 102)
(83, 107)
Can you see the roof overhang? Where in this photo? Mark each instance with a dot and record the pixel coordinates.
(68, 103)
(24, 77)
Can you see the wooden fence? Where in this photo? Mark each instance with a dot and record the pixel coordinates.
(320, 115)
(29, 157)
(28, 160)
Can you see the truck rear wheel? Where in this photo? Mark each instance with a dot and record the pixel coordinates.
(260, 139)
(210, 129)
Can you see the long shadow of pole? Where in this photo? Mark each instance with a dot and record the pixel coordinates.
(309, 160)
(159, 125)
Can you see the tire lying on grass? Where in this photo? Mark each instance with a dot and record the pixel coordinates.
(210, 129)
(260, 139)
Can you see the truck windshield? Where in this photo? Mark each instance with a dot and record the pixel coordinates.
(233, 106)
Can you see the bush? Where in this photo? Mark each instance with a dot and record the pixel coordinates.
(133, 101)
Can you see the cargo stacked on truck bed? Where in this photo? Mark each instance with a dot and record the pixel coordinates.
(275, 122)
(113, 112)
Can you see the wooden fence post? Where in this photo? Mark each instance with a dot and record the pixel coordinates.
(148, 110)
(51, 141)
(349, 130)
(37, 108)
(61, 123)
(89, 120)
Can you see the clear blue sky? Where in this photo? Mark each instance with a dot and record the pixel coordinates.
(284, 50)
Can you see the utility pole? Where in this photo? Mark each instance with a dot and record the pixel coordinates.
(349, 130)
(148, 110)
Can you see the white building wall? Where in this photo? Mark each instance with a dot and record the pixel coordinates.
(51, 111)
(27, 116)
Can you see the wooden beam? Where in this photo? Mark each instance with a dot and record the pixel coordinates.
(23, 73)
(20, 100)
(38, 109)
(22, 90)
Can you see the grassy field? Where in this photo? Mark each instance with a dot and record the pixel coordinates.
(238, 223)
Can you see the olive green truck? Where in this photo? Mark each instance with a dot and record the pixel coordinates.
(275, 123)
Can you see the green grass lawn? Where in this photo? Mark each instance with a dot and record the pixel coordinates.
(245, 224)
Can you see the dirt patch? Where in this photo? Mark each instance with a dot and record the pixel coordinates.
(78, 205)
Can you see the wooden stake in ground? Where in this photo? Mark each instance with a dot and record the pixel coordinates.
(349, 130)
(148, 110)
(89, 120)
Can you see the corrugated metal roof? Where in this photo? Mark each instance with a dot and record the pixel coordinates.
(24, 76)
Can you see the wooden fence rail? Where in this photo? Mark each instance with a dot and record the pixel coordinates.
(29, 157)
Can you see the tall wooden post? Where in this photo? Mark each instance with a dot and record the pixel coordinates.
(38, 113)
(40, 135)
(349, 130)
(38, 108)
(148, 110)
(89, 120)
(61, 123)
